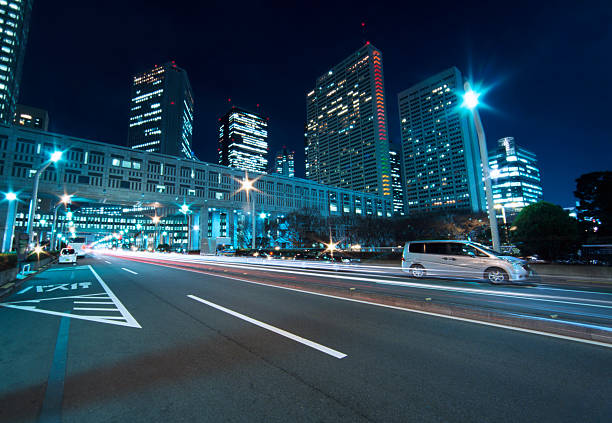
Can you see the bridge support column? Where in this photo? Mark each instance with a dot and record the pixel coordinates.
(204, 241)
(9, 226)
(231, 227)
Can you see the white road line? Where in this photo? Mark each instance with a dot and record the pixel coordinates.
(128, 270)
(93, 302)
(271, 328)
(130, 321)
(94, 309)
(106, 261)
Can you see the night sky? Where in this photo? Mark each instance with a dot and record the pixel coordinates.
(548, 67)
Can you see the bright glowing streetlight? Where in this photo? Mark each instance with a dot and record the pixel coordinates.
(470, 101)
(10, 221)
(55, 157)
(262, 215)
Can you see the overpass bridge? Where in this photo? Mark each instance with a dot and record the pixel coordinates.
(100, 175)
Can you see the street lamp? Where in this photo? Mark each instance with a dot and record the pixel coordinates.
(156, 220)
(470, 101)
(65, 200)
(55, 157)
(10, 221)
(247, 186)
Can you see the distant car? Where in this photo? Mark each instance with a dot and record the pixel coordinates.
(68, 255)
(462, 259)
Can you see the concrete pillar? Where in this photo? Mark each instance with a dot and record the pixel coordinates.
(9, 226)
(195, 233)
(231, 226)
(203, 217)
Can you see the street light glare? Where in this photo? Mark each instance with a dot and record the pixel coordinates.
(262, 215)
(470, 99)
(66, 198)
(11, 196)
(184, 208)
(247, 184)
(56, 156)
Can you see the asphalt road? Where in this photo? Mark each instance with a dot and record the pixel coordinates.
(114, 340)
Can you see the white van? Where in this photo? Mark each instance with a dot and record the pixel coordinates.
(67, 255)
(463, 259)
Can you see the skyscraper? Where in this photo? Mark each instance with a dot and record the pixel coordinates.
(242, 140)
(31, 117)
(284, 163)
(347, 144)
(161, 112)
(442, 167)
(395, 156)
(14, 28)
(515, 176)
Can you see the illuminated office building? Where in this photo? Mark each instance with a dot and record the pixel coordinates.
(442, 167)
(161, 112)
(242, 140)
(347, 144)
(284, 163)
(14, 28)
(515, 177)
(396, 179)
(31, 117)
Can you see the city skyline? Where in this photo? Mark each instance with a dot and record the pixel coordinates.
(511, 112)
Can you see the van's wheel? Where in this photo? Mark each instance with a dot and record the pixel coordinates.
(495, 275)
(417, 270)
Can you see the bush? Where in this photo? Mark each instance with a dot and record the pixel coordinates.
(8, 261)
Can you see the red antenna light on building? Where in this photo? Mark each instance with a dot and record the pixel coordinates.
(362, 24)
(229, 100)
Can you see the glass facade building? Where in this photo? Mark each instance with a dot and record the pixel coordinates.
(284, 163)
(442, 167)
(161, 112)
(396, 180)
(243, 140)
(346, 138)
(515, 176)
(14, 28)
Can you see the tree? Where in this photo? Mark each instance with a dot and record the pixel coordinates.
(594, 190)
(546, 230)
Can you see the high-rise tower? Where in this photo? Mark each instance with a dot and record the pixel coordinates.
(515, 175)
(347, 144)
(161, 112)
(242, 140)
(442, 167)
(284, 163)
(14, 28)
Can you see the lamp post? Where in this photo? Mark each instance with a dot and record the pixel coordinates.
(470, 100)
(55, 157)
(247, 186)
(503, 210)
(7, 241)
(156, 220)
(65, 200)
